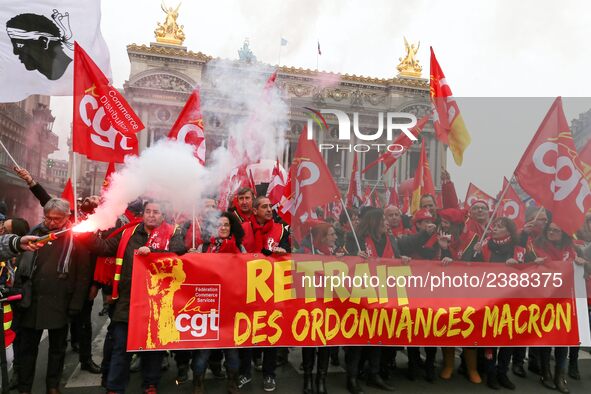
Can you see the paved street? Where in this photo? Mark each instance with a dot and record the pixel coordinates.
(289, 378)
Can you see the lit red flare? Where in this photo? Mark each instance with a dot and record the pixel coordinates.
(84, 227)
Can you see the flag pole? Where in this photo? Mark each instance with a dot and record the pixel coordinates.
(351, 224)
(9, 155)
(376, 184)
(75, 186)
(312, 242)
(317, 54)
(193, 226)
(538, 214)
(492, 217)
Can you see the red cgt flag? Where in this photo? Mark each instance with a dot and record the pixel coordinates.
(402, 142)
(552, 174)
(511, 205)
(313, 185)
(189, 126)
(104, 126)
(474, 193)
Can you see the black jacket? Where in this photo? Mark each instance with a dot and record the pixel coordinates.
(54, 296)
(108, 247)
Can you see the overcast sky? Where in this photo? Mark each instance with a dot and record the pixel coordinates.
(503, 48)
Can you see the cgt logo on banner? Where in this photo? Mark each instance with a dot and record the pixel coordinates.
(200, 315)
(105, 126)
(177, 302)
(394, 121)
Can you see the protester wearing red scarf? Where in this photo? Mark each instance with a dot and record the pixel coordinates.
(242, 203)
(262, 234)
(479, 215)
(501, 247)
(452, 229)
(152, 235)
(227, 240)
(395, 222)
(375, 242)
(554, 245)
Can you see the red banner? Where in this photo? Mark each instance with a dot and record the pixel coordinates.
(221, 300)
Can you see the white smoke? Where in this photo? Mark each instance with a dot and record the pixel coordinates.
(254, 116)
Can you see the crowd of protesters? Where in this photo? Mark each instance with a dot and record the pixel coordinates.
(59, 281)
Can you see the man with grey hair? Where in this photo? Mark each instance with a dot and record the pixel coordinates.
(54, 281)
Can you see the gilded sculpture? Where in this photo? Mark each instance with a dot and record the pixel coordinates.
(170, 32)
(409, 65)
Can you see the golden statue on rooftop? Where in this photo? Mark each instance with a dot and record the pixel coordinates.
(409, 66)
(170, 32)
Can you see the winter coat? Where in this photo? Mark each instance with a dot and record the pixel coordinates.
(54, 296)
(108, 247)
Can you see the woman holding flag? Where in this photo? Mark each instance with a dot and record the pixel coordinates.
(502, 246)
(553, 244)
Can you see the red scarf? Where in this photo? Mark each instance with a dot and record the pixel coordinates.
(132, 216)
(370, 248)
(399, 230)
(158, 239)
(260, 232)
(473, 226)
(243, 218)
(160, 236)
(223, 245)
(554, 253)
(104, 269)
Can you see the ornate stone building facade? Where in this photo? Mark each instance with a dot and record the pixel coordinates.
(162, 76)
(26, 130)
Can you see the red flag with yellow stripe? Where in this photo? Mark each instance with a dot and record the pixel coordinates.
(447, 119)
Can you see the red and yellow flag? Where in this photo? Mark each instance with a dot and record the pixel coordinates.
(447, 119)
